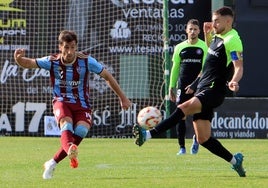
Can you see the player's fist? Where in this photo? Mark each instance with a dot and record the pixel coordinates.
(207, 27)
(233, 86)
(19, 53)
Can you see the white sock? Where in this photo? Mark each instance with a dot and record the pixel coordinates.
(233, 161)
(148, 135)
(52, 161)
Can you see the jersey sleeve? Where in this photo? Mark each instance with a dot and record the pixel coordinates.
(205, 49)
(44, 62)
(234, 48)
(94, 65)
(176, 55)
(175, 67)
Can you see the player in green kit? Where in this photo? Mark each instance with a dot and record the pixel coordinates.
(188, 59)
(225, 50)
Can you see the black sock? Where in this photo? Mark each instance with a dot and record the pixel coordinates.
(181, 130)
(215, 147)
(166, 124)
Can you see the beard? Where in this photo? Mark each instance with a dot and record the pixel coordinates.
(68, 59)
(219, 30)
(194, 37)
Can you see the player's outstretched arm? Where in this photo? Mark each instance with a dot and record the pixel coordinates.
(20, 59)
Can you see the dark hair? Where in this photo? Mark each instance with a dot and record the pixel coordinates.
(193, 21)
(224, 11)
(67, 36)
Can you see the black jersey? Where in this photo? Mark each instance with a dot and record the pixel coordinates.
(187, 60)
(223, 50)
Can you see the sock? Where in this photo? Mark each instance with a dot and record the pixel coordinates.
(52, 161)
(233, 160)
(148, 135)
(66, 140)
(61, 154)
(77, 139)
(168, 123)
(181, 130)
(215, 147)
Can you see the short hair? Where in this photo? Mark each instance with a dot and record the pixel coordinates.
(224, 11)
(67, 36)
(193, 21)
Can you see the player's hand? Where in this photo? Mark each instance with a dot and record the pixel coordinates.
(188, 90)
(125, 103)
(207, 27)
(19, 53)
(233, 86)
(172, 95)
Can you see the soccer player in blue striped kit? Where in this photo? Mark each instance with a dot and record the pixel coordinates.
(225, 50)
(69, 71)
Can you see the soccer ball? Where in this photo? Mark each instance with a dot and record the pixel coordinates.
(149, 117)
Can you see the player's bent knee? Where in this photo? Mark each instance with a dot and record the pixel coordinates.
(81, 131)
(67, 127)
(202, 140)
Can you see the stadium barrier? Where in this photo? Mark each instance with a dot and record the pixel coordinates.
(245, 118)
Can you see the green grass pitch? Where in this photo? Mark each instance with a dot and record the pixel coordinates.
(119, 163)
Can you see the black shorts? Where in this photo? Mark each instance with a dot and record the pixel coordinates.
(210, 99)
(184, 97)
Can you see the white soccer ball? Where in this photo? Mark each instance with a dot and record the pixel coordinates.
(149, 117)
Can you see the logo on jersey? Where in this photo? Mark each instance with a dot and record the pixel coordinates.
(61, 73)
(212, 52)
(219, 43)
(198, 51)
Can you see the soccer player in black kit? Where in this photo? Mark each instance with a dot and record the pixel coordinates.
(188, 59)
(225, 49)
